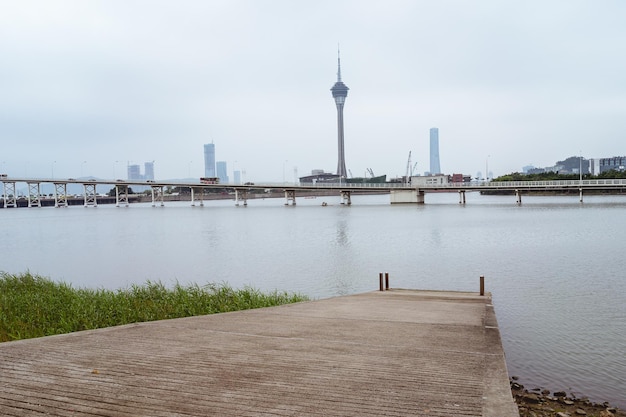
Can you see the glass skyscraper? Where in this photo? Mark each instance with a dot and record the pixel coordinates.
(222, 171)
(209, 160)
(434, 151)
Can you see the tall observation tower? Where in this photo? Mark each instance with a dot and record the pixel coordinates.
(340, 92)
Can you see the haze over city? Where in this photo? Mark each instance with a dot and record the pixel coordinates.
(89, 87)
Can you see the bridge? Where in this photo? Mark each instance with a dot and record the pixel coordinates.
(400, 192)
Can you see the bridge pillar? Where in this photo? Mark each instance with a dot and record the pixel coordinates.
(60, 194)
(121, 195)
(10, 198)
(34, 194)
(157, 195)
(581, 194)
(193, 200)
(90, 195)
(518, 196)
(345, 198)
(415, 196)
(461, 196)
(290, 195)
(244, 196)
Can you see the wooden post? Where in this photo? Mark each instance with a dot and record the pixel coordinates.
(380, 277)
(482, 285)
(386, 280)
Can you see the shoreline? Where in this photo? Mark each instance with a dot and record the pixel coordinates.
(539, 402)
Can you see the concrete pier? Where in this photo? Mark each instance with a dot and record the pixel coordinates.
(391, 353)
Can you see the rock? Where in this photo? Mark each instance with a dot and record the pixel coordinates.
(545, 392)
(560, 414)
(560, 394)
(532, 398)
(568, 402)
(581, 412)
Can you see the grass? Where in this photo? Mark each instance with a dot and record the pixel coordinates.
(34, 306)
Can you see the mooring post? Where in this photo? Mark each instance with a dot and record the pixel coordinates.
(380, 278)
(386, 280)
(482, 285)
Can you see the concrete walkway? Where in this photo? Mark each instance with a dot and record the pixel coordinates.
(391, 353)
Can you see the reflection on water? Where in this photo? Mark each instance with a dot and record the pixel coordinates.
(552, 264)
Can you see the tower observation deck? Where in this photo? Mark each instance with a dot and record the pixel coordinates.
(340, 92)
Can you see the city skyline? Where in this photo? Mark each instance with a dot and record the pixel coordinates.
(89, 87)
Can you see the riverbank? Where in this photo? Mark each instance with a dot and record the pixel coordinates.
(33, 306)
(539, 402)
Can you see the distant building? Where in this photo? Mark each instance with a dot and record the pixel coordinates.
(319, 176)
(222, 172)
(617, 163)
(148, 170)
(429, 180)
(134, 172)
(237, 175)
(209, 160)
(435, 168)
(460, 178)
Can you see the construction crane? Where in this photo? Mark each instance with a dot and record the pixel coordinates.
(408, 168)
(371, 172)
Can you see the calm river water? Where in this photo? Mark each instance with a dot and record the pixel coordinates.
(553, 265)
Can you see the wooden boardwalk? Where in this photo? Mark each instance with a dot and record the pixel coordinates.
(391, 353)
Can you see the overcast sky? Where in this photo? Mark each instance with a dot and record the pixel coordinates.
(87, 87)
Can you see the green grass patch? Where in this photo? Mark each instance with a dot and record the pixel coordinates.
(34, 306)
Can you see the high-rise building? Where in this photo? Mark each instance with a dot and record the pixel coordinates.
(134, 172)
(148, 170)
(237, 175)
(209, 160)
(340, 92)
(435, 168)
(222, 171)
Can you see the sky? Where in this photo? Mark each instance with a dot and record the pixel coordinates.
(88, 87)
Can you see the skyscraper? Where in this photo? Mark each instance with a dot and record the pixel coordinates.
(209, 160)
(434, 151)
(148, 170)
(340, 92)
(222, 171)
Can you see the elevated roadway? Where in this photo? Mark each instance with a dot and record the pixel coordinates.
(400, 192)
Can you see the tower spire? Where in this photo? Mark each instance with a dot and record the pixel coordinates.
(338, 65)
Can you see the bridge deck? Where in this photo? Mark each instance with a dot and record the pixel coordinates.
(393, 353)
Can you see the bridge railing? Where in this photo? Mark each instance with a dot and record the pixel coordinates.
(528, 184)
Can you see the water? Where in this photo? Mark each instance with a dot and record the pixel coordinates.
(553, 265)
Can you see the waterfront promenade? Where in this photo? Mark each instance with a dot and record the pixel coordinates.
(382, 353)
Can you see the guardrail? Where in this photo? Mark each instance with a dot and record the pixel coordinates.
(613, 183)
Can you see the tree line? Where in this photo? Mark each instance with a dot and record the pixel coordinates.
(556, 176)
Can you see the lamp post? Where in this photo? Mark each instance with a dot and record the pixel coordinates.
(81, 167)
(284, 163)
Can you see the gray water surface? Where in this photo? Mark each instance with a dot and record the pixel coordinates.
(554, 266)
